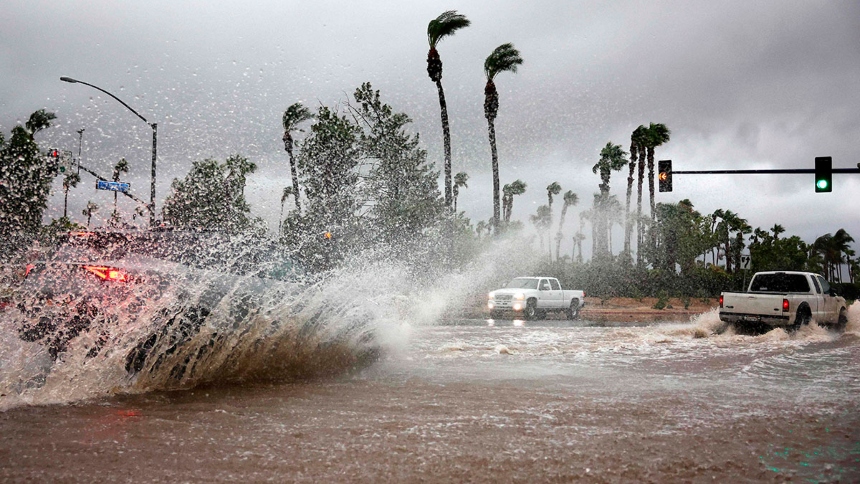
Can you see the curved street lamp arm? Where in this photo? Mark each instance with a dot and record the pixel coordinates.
(75, 81)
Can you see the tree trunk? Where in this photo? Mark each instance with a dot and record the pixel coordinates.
(446, 141)
(639, 231)
(628, 222)
(492, 132)
(653, 233)
(288, 145)
(558, 235)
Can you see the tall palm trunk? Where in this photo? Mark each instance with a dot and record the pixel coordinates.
(628, 222)
(651, 180)
(496, 209)
(288, 146)
(446, 141)
(558, 235)
(639, 229)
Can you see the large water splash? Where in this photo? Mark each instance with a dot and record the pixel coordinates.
(201, 327)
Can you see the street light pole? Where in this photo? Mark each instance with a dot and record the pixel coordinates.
(154, 127)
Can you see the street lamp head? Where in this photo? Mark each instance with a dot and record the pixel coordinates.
(69, 79)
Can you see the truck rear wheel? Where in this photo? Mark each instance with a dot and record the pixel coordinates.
(843, 319)
(804, 316)
(573, 310)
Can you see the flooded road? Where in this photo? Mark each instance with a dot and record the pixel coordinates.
(488, 401)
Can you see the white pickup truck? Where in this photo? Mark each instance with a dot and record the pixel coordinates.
(535, 296)
(786, 299)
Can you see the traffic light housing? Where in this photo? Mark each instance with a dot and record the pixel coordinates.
(664, 175)
(823, 174)
(54, 160)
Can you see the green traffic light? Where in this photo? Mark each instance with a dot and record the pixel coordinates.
(821, 184)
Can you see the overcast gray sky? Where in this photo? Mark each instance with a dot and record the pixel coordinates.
(740, 84)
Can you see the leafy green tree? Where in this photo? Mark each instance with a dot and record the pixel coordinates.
(401, 187)
(328, 165)
(25, 183)
(443, 26)
(211, 197)
(293, 116)
(505, 58)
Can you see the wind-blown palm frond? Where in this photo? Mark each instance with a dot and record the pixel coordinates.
(504, 58)
(294, 115)
(445, 25)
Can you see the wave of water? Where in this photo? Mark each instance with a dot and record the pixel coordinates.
(207, 332)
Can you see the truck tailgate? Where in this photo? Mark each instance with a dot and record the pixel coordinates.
(758, 304)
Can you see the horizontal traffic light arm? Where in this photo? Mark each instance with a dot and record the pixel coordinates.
(756, 172)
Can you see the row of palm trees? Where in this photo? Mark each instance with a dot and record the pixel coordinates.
(504, 58)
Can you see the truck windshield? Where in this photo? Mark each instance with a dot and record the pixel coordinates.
(522, 283)
(779, 282)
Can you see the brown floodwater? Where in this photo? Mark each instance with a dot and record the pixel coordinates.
(485, 401)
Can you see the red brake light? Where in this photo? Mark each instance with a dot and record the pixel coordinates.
(785, 305)
(107, 273)
(721, 300)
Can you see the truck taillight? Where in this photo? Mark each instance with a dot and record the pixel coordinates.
(107, 273)
(785, 305)
(721, 300)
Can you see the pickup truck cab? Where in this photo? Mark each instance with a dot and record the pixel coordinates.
(534, 297)
(784, 299)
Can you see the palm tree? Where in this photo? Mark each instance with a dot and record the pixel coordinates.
(612, 157)
(69, 181)
(284, 196)
(480, 227)
(570, 199)
(641, 135)
(89, 211)
(552, 189)
(460, 180)
(777, 229)
(517, 187)
(580, 236)
(658, 134)
(294, 115)
(841, 242)
(120, 168)
(504, 58)
(38, 121)
(442, 26)
(541, 220)
(636, 139)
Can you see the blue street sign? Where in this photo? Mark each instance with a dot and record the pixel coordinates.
(113, 186)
